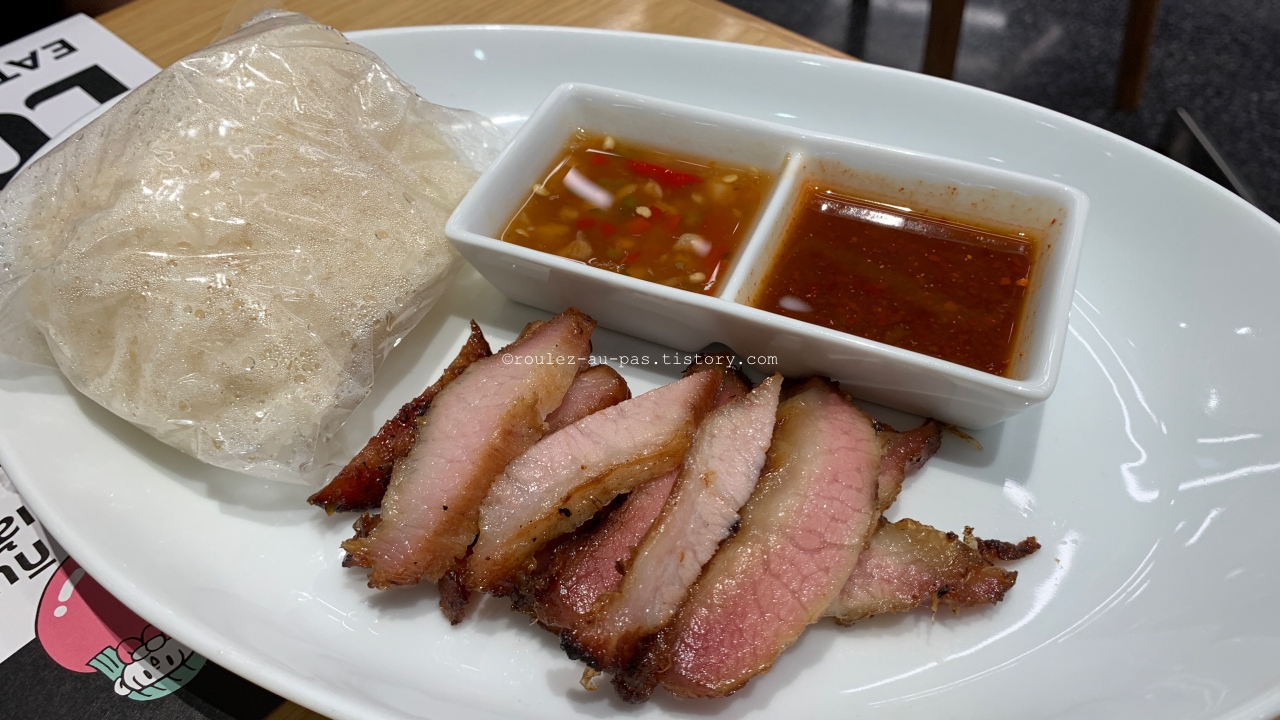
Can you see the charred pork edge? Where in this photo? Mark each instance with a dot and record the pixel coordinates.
(454, 594)
(362, 483)
(619, 384)
(940, 595)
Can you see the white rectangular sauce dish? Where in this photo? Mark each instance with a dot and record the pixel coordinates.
(1050, 214)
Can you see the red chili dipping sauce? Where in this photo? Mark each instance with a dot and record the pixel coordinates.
(921, 283)
(674, 220)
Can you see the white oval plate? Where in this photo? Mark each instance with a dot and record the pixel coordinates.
(1152, 476)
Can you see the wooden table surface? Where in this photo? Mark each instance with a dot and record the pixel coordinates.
(166, 30)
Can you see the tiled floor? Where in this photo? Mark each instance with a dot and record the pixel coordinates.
(1219, 59)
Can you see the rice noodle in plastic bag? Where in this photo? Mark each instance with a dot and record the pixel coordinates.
(225, 257)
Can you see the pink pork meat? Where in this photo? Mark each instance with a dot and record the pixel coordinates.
(491, 413)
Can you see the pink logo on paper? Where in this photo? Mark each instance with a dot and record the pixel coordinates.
(85, 629)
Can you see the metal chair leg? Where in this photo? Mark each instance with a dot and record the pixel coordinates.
(856, 38)
(1185, 141)
(1136, 53)
(945, 20)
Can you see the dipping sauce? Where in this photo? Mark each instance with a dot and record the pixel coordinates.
(675, 220)
(921, 283)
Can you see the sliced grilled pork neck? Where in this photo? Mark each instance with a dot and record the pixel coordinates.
(734, 385)
(454, 595)
(717, 477)
(797, 543)
(562, 481)
(592, 390)
(589, 564)
(902, 453)
(488, 415)
(362, 483)
(909, 565)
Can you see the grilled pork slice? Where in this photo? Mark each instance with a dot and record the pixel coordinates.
(592, 390)
(454, 595)
(798, 541)
(562, 481)
(361, 484)
(588, 564)
(994, 550)
(490, 414)
(902, 453)
(716, 478)
(909, 564)
(734, 386)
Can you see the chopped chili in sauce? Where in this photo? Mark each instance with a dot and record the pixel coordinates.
(675, 220)
(922, 283)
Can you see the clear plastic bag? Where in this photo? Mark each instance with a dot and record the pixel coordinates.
(225, 257)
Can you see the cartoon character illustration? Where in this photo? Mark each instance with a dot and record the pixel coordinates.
(148, 659)
(85, 629)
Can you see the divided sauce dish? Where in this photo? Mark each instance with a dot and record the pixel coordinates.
(1049, 214)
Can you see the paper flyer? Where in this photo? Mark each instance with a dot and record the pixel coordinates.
(68, 648)
(28, 558)
(51, 78)
(79, 625)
